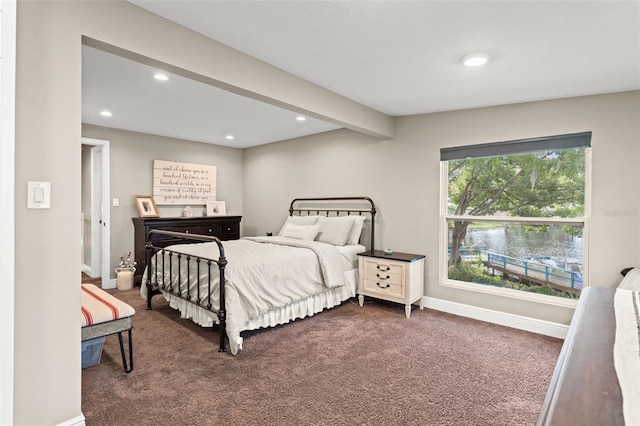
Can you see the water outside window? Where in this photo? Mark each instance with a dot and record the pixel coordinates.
(544, 259)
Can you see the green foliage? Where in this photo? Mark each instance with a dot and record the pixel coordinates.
(472, 273)
(539, 184)
(475, 273)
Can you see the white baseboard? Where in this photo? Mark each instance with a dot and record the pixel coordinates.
(533, 325)
(76, 421)
(112, 283)
(86, 269)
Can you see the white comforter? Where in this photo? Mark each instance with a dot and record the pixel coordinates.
(263, 274)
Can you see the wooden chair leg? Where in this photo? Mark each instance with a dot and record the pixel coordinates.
(128, 368)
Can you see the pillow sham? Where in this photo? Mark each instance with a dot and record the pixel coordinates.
(335, 230)
(631, 280)
(300, 232)
(299, 220)
(356, 229)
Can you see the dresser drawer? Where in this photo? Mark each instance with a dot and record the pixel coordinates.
(212, 230)
(383, 271)
(229, 231)
(159, 238)
(384, 289)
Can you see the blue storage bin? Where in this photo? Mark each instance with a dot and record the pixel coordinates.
(92, 351)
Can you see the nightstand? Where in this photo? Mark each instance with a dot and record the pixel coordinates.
(396, 277)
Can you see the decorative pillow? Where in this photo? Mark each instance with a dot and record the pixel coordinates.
(299, 220)
(631, 280)
(300, 232)
(356, 230)
(335, 230)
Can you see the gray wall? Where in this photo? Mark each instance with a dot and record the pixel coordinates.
(402, 176)
(132, 156)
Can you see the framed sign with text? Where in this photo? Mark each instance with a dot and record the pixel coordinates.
(183, 183)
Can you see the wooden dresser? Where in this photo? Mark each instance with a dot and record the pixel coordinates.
(223, 227)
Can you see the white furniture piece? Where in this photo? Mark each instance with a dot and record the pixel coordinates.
(396, 277)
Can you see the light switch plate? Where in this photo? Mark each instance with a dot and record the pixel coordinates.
(38, 195)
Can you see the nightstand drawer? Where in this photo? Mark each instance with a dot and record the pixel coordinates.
(384, 289)
(383, 271)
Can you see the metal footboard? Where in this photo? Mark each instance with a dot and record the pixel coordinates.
(157, 281)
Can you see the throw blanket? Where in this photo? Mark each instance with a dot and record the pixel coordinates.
(626, 352)
(328, 257)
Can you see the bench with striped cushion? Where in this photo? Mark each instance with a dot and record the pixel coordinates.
(102, 314)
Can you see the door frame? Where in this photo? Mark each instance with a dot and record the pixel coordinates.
(106, 209)
(7, 208)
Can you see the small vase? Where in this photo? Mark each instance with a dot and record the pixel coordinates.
(125, 278)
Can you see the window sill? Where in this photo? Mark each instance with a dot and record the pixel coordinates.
(514, 294)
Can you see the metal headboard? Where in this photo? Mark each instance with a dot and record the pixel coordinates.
(336, 206)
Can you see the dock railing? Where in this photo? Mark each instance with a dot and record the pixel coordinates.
(534, 270)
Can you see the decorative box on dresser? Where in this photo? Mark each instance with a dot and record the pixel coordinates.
(396, 277)
(223, 227)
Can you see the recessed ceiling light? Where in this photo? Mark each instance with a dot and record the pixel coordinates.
(301, 118)
(229, 137)
(475, 59)
(105, 113)
(160, 76)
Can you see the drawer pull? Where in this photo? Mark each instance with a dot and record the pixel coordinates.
(386, 268)
(383, 278)
(383, 286)
(209, 230)
(186, 232)
(228, 229)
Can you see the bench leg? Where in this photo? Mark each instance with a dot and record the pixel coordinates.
(128, 368)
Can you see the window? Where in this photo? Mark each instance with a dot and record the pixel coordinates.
(515, 216)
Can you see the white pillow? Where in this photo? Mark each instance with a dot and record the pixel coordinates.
(300, 232)
(356, 230)
(631, 280)
(335, 230)
(299, 220)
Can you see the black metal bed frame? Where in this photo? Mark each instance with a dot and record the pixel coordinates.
(154, 287)
(328, 211)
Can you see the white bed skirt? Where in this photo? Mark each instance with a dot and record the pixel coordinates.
(299, 309)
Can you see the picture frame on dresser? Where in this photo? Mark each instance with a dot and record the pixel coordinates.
(216, 208)
(146, 205)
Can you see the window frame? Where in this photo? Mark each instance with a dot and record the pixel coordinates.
(445, 281)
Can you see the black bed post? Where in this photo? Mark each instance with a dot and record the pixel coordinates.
(373, 222)
(149, 250)
(222, 312)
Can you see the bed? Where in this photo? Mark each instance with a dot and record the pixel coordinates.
(597, 377)
(256, 282)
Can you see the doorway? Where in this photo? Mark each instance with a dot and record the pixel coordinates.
(95, 218)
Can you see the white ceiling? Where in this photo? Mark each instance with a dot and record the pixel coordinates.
(398, 57)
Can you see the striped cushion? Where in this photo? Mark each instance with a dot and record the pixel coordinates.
(99, 306)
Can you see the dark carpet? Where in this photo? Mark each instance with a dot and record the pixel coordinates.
(348, 365)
